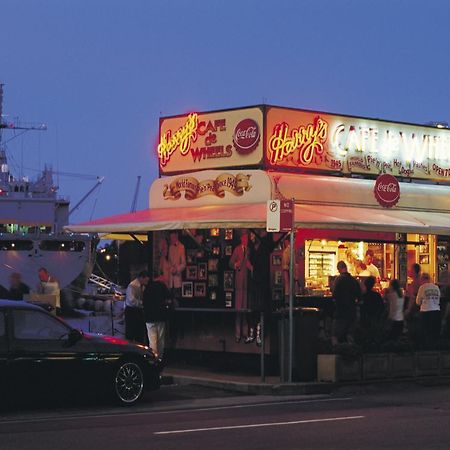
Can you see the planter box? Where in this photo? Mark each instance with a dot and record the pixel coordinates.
(336, 368)
(401, 365)
(427, 363)
(375, 366)
(445, 363)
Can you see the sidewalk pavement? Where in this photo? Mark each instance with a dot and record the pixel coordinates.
(252, 384)
(243, 383)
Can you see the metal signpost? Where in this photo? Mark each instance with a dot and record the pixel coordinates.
(280, 218)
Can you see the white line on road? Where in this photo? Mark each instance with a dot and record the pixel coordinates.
(260, 425)
(159, 412)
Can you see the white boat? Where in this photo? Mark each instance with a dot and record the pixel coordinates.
(32, 217)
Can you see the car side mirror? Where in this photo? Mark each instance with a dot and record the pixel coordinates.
(74, 336)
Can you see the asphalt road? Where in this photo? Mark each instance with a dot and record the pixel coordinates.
(393, 416)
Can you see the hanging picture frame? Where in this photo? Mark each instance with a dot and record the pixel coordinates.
(191, 272)
(228, 280)
(213, 280)
(202, 271)
(187, 289)
(228, 234)
(213, 265)
(199, 289)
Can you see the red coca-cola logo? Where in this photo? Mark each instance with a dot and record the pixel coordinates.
(246, 136)
(387, 190)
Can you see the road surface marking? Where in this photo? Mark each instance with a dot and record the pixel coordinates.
(260, 425)
(174, 411)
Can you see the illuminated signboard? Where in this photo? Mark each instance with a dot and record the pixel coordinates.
(318, 141)
(211, 140)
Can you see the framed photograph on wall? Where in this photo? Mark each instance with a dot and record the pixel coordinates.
(202, 271)
(213, 265)
(278, 278)
(228, 250)
(276, 260)
(191, 255)
(213, 295)
(187, 289)
(213, 280)
(199, 289)
(424, 259)
(216, 250)
(191, 272)
(228, 280)
(214, 232)
(228, 299)
(228, 234)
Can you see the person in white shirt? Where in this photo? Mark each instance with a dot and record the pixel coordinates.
(428, 299)
(371, 267)
(135, 329)
(395, 299)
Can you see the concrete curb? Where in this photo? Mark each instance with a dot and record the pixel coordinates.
(307, 388)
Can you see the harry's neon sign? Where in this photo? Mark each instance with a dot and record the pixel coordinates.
(308, 140)
(182, 139)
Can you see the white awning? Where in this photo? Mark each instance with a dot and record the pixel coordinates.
(254, 216)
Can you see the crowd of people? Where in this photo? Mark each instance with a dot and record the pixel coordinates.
(421, 311)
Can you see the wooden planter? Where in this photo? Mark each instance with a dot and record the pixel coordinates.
(401, 365)
(427, 363)
(336, 368)
(375, 366)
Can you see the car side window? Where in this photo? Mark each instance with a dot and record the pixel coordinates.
(36, 325)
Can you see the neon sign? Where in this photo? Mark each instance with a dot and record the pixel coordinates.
(308, 140)
(182, 139)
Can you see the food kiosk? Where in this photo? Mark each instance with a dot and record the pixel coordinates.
(361, 186)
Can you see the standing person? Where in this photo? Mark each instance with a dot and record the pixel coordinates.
(48, 285)
(156, 307)
(177, 263)
(412, 315)
(17, 289)
(395, 299)
(428, 299)
(134, 312)
(370, 266)
(413, 288)
(241, 264)
(372, 306)
(346, 292)
(164, 265)
(260, 248)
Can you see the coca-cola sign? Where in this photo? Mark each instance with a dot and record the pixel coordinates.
(387, 190)
(246, 136)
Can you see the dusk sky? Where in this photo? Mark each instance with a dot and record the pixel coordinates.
(100, 73)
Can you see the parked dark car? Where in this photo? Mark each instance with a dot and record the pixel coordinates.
(41, 353)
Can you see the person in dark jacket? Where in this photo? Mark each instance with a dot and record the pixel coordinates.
(260, 246)
(156, 302)
(372, 305)
(17, 289)
(346, 293)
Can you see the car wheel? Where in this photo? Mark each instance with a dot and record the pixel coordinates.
(128, 383)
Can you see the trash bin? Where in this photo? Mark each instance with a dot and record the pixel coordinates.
(306, 330)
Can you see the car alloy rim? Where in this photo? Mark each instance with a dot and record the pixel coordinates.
(129, 382)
